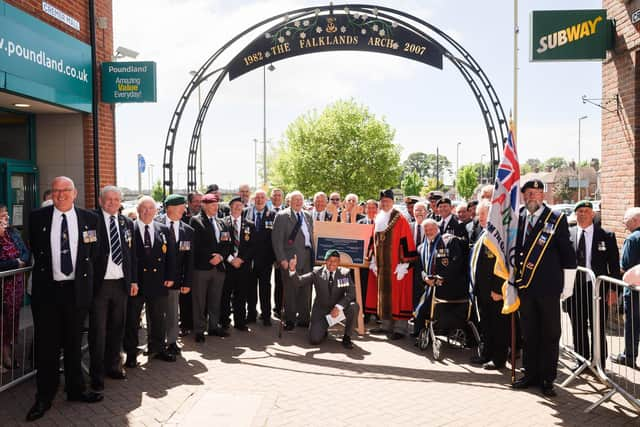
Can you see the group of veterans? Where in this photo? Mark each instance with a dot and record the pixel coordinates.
(203, 265)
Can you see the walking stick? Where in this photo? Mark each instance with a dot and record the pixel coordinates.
(513, 347)
(281, 309)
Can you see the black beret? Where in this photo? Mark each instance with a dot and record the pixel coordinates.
(533, 183)
(472, 203)
(330, 253)
(235, 199)
(445, 200)
(583, 204)
(175, 200)
(386, 193)
(212, 188)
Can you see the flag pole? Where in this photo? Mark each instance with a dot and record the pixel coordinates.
(514, 129)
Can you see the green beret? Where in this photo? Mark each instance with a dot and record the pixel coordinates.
(583, 204)
(330, 253)
(175, 200)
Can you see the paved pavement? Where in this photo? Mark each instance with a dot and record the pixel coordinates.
(256, 379)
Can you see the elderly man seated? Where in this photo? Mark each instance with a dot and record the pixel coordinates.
(335, 297)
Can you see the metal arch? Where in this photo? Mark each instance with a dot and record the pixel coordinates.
(462, 66)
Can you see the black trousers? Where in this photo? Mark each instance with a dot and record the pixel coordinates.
(156, 310)
(186, 311)
(495, 328)
(277, 291)
(236, 285)
(58, 323)
(106, 328)
(540, 320)
(580, 309)
(260, 285)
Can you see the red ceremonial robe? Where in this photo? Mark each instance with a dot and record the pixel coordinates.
(387, 296)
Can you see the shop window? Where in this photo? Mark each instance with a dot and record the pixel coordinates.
(14, 136)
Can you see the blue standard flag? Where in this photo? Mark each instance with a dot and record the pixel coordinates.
(141, 163)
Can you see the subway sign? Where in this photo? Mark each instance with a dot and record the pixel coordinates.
(570, 35)
(129, 82)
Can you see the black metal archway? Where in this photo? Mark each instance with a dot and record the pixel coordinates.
(482, 89)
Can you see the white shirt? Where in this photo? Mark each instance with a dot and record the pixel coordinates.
(141, 227)
(588, 242)
(114, 271)
(444, 223)
(176, 227)
(216, 230)
(72, 227)
(318, 215)
(304, 229)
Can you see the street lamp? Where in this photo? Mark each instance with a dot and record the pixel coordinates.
(458, 158)
(264, 122)
(482, 156)
(580, 119)
(193, 73)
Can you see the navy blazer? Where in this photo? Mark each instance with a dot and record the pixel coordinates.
(184, 254)
(129, 260)
(159, 265)
(263, 254)
(205, 243)
(246, 250)
(40, 241)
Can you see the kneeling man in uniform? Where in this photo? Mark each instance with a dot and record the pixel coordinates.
(335, 294)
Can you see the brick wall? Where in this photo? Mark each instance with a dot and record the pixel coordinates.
(620, 172)
(79, 10)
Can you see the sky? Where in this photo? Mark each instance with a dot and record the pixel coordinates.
(428, 108)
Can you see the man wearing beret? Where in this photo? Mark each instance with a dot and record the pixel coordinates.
(545, 263)
(390, 294)
(183, 233)
(211, 245)
(335, 295)
(223, 208)
(597, 250)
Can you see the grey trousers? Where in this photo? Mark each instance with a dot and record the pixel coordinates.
(297, 299)
(173, 302)
(319, 325)
(206, 292)
(398, 326)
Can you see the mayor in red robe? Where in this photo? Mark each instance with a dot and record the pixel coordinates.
(390, 281)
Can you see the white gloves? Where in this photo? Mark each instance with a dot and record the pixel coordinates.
(569, 279)
(373, 267)
(402, 270)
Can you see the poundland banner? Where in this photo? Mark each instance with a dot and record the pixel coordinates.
(569, 35)
(128, 82)
(321, 33)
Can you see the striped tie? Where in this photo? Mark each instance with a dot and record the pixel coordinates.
(114, 238)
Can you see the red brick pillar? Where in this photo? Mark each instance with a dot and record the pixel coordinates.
(620, 174)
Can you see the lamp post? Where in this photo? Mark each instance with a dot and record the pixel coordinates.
(580, 119)
(193, 73)
(458, 158)
(264, 122)
(482, 156)
(150, 167)
(255, 163)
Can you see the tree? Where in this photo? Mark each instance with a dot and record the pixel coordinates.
(425, 165)
(561, 188)
(157, 192)
(345, 149)
(412, 184)
(553, 163)
(466, 181)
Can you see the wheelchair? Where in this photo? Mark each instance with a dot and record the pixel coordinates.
(450, 319)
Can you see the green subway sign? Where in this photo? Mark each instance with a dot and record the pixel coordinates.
(128, 82)
(570, 35)
(41, 62)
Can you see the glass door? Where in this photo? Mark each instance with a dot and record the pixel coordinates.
(21, 183)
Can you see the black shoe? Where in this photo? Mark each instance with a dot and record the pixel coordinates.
(547, 389)
(396, 336)
(478, 360)
(97, 385)
(522, 383)
(302, 324)
(491, 366)
(117, 375)
(377, 331)
(86, 397)
(199, 337)
(165, 356)
(621, 359)
(218, 332)
(225, 325)
(37, 410)
(174, 349)
(266, 322)
(242, 328)
(251, 319)
(289, 326)
(276, 314)
(346, 342)
(131, 362)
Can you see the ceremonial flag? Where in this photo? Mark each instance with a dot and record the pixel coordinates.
(502, 226)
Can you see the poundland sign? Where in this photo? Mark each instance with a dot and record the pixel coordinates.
(128, 82)
(559, 35)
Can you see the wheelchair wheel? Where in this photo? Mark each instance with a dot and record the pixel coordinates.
(437, 349)
(423, 339)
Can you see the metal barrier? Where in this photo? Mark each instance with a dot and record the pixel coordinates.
(16, 329)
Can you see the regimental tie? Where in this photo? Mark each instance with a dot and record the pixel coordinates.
(330, 283)
(114, 239)
(258, 221)
(581, 255)
(299, 218)
(418, 235)
(147, 240)
(66, 264)
(236, 236)
(529, 226)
